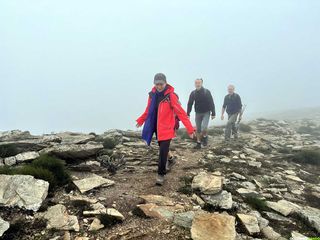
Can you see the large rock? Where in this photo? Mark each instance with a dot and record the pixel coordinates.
(58, 218)
(250, 223)
(22, 191)
(4, 226)
(152, 210)
(311, 216)
(207, 183)
(221, 200)
(207, 226)
(157, 199)
(74, 151)
(115, 214)
(184, 219)
(91, 182)
(14, 135)
(75, 138)
(21, 157)
(283, 206)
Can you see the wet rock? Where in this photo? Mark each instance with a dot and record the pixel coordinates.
(207, 226)
(74, 151)
(4, 226)
(184, 219)
(58, 218)
(207, 183)
(311, 216)
(250, 223)
(96, 225)
(222, 200)
(283, 206)
(22, 191)
(91, 182)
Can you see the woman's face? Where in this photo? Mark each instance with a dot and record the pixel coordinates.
(160, 86)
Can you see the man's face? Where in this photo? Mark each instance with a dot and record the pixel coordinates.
(230, 89)
(160, 86)
(198, 84)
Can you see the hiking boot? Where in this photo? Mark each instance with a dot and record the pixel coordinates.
(198, 146)
(160, 180)
(171, 161)
(205, 141)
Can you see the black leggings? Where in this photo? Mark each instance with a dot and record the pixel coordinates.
(163, 156)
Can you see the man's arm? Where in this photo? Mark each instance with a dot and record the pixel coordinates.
(143, 117)
(190, 103)
(223, 108)
(212, 106)
(240, 107)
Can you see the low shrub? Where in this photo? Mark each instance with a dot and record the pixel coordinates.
(215, 131)
(109, 143)
(45, 167)
(8, 150)
(55, 166)
(256, 203)
(244, 127)
(307, 157)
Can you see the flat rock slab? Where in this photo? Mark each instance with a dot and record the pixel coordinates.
(222, 200)
(250, 223)
(91, 182)
(208, 226)
(75, 138)
(152, 210)
(158, 200)
(283, 206)
(312, 216)
(207, 183)
(4, 226)
(22, 191)
(74, 151)
(58, 218)
(115, 213)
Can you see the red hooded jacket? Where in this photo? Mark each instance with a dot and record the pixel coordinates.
(167, 110)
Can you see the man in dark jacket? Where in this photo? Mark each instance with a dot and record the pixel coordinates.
(204, 106)
(233, 106)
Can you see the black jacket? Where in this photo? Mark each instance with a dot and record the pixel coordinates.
(203, 102)
(232, 103)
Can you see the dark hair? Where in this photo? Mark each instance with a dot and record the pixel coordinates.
(200, 79)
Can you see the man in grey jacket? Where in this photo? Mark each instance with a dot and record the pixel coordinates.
(233, 106)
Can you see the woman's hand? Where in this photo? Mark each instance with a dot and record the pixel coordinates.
(192, 135)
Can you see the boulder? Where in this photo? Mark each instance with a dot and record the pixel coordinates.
(4, 226)
(250, 223)
(208, 226)
(283, 206)
(184, 219)
(207, 183)
(14, 135)
(21, 157)
(311, 216)
(221, 200)
(91, 182)
(74, 151)
(58, 218)
(22, 191)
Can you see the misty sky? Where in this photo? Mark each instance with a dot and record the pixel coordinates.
(88, 65)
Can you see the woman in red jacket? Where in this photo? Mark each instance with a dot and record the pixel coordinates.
(160, 118)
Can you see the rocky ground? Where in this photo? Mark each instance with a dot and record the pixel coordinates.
(252, 188)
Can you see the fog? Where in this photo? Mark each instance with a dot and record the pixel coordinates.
(88, 65)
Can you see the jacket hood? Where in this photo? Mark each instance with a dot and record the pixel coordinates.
(169, 89)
